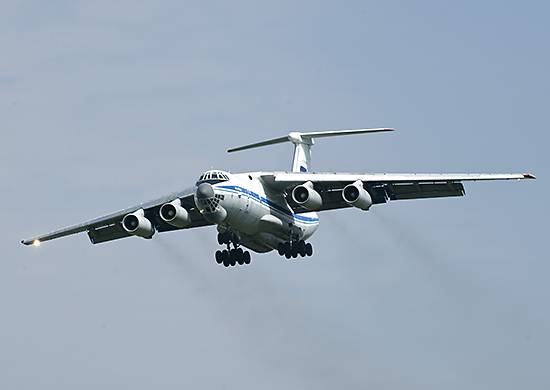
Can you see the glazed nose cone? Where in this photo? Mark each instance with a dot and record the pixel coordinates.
(205, 191)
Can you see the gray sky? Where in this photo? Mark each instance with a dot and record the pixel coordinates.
(104, 104)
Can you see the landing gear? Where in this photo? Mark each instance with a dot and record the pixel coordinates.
(227, 238)
(295, 249)
(309, 249)
(231, 257)
(219, 257)
(246, 257)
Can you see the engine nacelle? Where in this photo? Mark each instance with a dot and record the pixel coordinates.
(355, 195)
(136, 224)
(174, 214)
(307, 197)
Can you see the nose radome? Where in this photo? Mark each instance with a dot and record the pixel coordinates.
(205, 191)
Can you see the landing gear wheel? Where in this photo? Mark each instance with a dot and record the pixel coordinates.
(309, 249)
(239, 256)
(246, 257)
(232, 257)
(281, 249)
(286, 249)
(225, 258)
(294, 250)
(220, 239)
(219, 257)
(301, 248)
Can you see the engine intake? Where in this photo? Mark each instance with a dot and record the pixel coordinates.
(136, 224)
(307, 197)
(355, 195)
(174, 214)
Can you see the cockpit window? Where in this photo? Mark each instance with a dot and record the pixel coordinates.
(212, 177)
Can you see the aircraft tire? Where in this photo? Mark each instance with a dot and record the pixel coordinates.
(301, 248)
(219, 257)
(232, 257)
(226, 258)
(287, 248)
(239, 256)
(309, 249)
(246, 257)
(294, 250)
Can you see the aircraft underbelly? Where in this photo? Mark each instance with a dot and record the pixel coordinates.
(262, 223)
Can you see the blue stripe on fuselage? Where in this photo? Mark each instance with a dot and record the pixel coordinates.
(268, 203)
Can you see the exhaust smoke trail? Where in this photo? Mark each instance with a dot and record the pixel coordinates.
(247, 305)
(178, 257)
(427, 255)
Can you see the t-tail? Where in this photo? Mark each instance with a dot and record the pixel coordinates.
(303, 143)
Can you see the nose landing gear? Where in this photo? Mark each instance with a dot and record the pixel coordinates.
(295, 248)
(231, 257)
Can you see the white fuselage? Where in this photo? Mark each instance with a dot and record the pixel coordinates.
(263, 219)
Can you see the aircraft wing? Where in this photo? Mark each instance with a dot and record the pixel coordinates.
(108, 227)
(381, 186)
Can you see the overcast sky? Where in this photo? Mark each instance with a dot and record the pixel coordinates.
(105, 104)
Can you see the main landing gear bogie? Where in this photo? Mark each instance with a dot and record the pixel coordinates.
(231, 257)
(295, 248)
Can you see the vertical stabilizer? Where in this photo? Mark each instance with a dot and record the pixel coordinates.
(302, 152)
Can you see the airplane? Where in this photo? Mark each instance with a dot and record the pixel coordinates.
(266, 211)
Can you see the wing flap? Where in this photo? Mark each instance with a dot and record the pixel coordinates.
(424, 190)
(107, 233)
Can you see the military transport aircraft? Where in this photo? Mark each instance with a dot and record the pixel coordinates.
(265, 211)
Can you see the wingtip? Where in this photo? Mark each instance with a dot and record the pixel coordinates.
(33, 242)
(529, 176)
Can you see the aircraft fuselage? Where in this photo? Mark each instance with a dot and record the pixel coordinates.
(261, 218)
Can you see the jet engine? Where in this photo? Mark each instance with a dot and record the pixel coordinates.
(174, 214)
(136, 224)
(307, 197)
(355, 195)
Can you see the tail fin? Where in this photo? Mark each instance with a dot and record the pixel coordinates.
(303, 143)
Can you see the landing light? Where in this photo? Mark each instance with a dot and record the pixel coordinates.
(36, 243)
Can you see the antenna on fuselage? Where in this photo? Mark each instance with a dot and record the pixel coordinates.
(303, 143)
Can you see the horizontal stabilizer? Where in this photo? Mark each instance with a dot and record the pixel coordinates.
(259, 144)
(303, 142)
(306, 138)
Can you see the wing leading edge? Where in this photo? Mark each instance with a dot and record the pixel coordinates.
(108, 227)
(396, 177)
